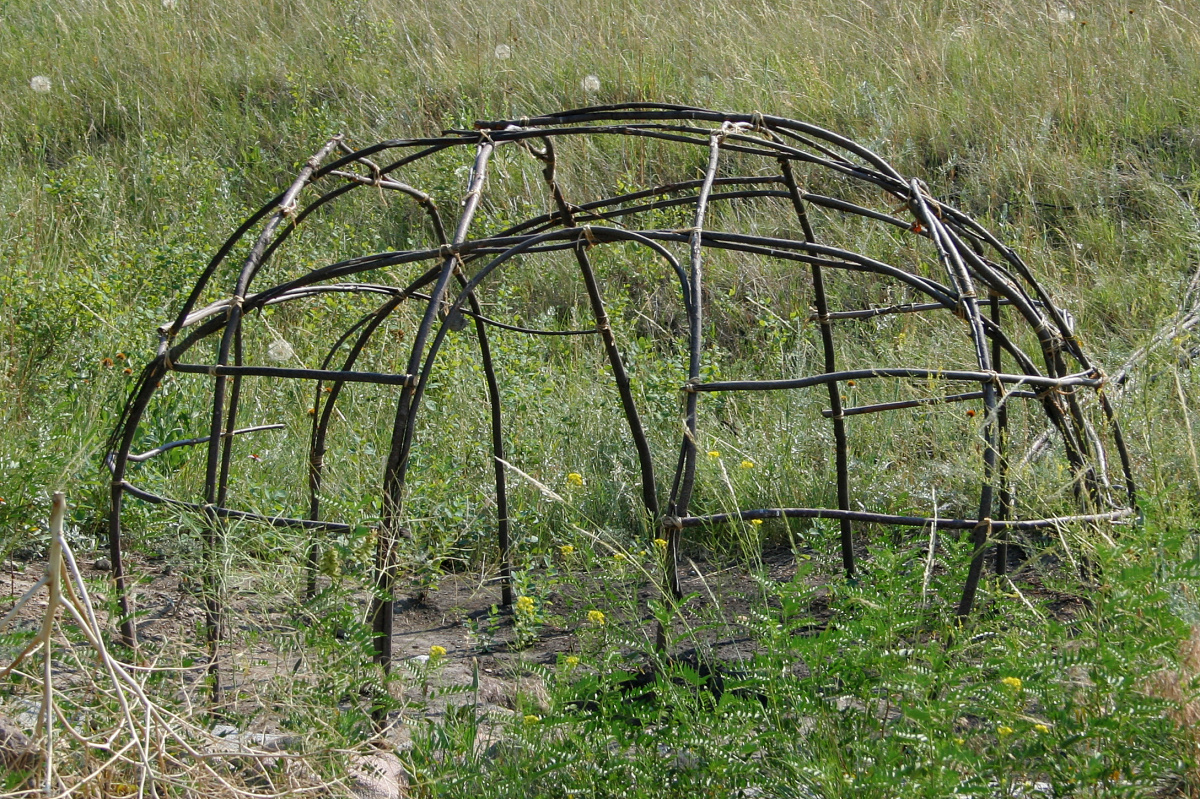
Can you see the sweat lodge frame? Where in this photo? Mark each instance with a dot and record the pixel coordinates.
(985, 284)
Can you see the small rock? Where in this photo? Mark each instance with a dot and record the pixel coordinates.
(27, 714)
(273, 742)
(232, 739)
(378, 776)
(493, 692)
(16, 750)
(102, 565)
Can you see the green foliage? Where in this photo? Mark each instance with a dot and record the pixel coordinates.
(1071, 130)
(883, 698)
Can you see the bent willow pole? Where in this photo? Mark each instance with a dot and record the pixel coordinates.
(748, 190)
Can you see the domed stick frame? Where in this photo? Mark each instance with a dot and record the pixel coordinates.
(985, 284)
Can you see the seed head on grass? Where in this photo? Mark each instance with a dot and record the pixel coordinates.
(40, 84)
(280, 350)
(331, 562)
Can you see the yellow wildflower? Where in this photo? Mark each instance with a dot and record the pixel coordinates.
(575, 479)
(436, 651)
(712, 453)
(960, 741)
(1004, 730)
(532, 719)
(567, 550)
(619, 556)
(572, 661)
(596, 617)
(1042, 728)
(1013, 683)
(525, 604)
(661, 543)
(747, 464)
(756, 522)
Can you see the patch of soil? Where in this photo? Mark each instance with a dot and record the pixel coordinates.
(266, 656)
(482, 663)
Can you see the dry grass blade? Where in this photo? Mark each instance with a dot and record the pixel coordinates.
(145, 743)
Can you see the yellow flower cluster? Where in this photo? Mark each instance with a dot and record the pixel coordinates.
(1004, 731)
(1013, 683)
(436, 651)
(525, 604)
(566, 550)
(714, 454)
(747, 464)
(661, 543)
(572, 661)
(596, 617)
(575, 479)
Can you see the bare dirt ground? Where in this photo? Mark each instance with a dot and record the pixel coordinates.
(265, 657)
(269, 669)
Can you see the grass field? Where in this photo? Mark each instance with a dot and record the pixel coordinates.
(137, 136)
